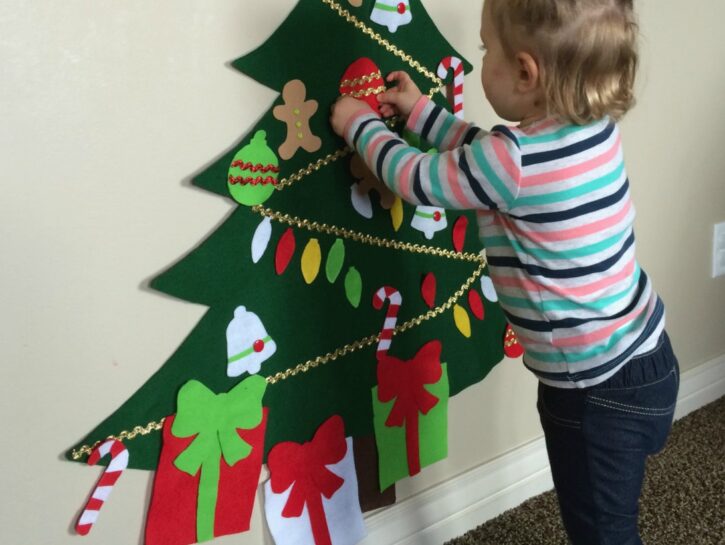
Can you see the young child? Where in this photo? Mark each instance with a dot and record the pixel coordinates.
(555, 215)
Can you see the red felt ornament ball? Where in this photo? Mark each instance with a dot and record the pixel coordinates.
(511, 345)
(363, 81)
(437, 216)
(258, 345)
(402, 8)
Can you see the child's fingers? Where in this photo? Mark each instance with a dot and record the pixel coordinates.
(389, 97)
(398, 76)
(387, 110)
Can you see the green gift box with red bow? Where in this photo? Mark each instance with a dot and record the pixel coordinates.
(410, 413)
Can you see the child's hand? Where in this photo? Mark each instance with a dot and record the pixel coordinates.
(401, 99)
(344, 109)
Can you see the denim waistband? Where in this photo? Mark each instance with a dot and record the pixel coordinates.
(644, 368)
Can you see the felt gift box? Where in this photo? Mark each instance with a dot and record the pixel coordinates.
(410, 414)
(209, 468)
(311, 497)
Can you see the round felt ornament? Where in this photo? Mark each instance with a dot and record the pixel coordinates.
(254, 171)
(511, 345)
(363, 81)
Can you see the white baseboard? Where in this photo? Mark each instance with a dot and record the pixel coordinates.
(454, 507)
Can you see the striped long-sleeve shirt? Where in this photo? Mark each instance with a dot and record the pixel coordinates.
(555, 216)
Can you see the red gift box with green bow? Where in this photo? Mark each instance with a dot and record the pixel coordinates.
(211, 459)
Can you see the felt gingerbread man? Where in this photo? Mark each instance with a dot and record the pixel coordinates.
(297, 112)
(369, 182)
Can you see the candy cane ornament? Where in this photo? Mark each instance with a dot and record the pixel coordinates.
(391, 317)
(455, 64)
(119, 462)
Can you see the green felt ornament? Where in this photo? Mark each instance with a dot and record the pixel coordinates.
(335, 260)
(254, 171)
(353, 286)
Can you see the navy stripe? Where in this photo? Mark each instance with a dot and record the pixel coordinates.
(361, 128)
(507, 133)
(568, 323)
(535, 270)
(383, 154)
(418, 187)
(475, 186)
(579, 147)
(428, 126)
(652, 324)
(470, 135)
(588, 208)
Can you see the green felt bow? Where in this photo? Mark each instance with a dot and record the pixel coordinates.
(214, 419)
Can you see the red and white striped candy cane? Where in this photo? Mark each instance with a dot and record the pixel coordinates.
(119, 462)
(455, 64)
(391, 317)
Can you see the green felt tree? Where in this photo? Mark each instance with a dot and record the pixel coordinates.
(316, 314)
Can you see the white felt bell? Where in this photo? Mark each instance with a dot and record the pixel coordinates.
(248, 344)
(429, 220)
(392, 13)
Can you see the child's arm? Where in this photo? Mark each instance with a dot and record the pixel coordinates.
(440, 128)
(482, 174)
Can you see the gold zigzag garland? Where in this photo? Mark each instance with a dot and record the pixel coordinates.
(315, 362)
(126, 435)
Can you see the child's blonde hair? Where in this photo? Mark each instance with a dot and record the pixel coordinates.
(586, 50)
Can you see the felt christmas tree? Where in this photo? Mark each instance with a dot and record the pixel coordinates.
(289, 277)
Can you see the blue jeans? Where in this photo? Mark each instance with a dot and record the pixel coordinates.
(598, 439)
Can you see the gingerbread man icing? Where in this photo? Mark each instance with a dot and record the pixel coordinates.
(297, 112)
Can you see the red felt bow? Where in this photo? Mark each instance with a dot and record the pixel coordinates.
(405, 382)
(303, 467)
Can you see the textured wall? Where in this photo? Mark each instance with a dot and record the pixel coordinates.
(109, 108)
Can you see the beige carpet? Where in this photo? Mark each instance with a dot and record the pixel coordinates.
(683, 501)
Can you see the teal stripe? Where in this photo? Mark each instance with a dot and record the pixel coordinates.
(392, 179)
(545, 138)
(435, 183)
(559, 196)
(445, 128)
(574, 253)
(369, 133)
(575, 357)
(491, 175)
(568, 305)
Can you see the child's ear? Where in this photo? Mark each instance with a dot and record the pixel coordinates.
(529, 77)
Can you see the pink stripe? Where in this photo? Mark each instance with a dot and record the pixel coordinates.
(454, 181)
(567, 234)
(573, 171)
(578, 291)
(539, 126)
(458, 137)
(417, 110)
(404, 180)
(505, 158)
(603, 333)
(374, 144)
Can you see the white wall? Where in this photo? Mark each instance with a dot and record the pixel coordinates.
(108, 108)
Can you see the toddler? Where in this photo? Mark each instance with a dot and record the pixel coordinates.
(554, 212)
